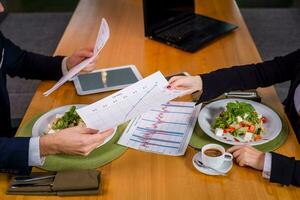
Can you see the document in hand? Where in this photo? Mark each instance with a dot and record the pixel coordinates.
(101, 40)
(128, 103)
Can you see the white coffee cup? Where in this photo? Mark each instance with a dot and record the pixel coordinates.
(215, 161)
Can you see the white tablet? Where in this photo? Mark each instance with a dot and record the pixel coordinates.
(106, 79)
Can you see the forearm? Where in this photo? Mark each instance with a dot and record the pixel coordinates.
(249, 76)
(285, 170)
(36, 66)
(18, 62)
(14, 155)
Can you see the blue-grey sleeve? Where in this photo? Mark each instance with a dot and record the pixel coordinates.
(18, 62)
(14, 155)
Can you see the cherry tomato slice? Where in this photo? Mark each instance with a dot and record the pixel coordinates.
(251, 128)
(264, 120)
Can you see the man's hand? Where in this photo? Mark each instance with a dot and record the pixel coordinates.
(72, 141)
(190, 83)
(248, 156)
(80, 55)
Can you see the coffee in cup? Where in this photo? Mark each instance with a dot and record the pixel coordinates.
(213, 155)
(213, 152)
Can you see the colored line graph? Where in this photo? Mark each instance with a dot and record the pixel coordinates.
(163, 130)
(139, 101)
(155, 139)
(185, 113)
(159, 131)
(153, 130)
(149, 120)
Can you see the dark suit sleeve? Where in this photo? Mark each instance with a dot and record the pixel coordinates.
(14, 155)
(285, 170)
(251, 76)
(18, 62)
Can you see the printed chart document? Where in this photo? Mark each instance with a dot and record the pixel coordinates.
(101, 40)
(164, 130)
(128, 103)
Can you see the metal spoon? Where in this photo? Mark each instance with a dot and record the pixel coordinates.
(200, 164)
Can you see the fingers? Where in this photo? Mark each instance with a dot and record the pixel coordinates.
(248, 156)
(78, 140)
(241, 160)
(175, 78)
(90, 131)
(95, 140)
(90, 48)
(107, 132)
(84, 53)
(190, 83)
(177, 81)
(237, 147)
(179, 84)
(90, 67)
(239, 154)
(233, 149)
(84, 130)
(99, 137)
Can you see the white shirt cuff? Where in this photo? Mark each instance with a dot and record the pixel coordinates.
(34, 157)
(267, 166)
(64, 68)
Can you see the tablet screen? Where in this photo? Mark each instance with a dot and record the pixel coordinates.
(105, 79)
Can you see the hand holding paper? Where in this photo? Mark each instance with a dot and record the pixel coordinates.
(189, 83)
(128, 103)
(79, 56)
(102, 38)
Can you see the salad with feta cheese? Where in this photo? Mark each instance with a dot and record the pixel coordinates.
(241, 122)
(67, 120)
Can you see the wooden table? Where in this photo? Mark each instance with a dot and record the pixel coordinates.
(139, 175)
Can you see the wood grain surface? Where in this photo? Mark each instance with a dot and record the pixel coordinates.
(139, 175)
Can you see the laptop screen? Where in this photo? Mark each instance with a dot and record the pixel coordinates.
(159, 13)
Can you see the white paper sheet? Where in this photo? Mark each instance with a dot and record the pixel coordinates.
(102, 37)
(128, 103)
(164, 130)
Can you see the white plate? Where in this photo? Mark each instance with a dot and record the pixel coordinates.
(225, 167)
(41, 125)
(209, 113)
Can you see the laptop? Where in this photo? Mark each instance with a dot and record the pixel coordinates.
(175, 23)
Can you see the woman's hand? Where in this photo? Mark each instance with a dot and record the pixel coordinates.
(248, 156)
(189, 83)
(73, 141)
(80, 55)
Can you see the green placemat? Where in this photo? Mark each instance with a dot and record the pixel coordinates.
(199, 139)
(99, 157)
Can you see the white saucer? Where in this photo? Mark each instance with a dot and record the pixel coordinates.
(226, 166)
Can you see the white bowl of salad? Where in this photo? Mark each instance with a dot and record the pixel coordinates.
(239, 121)
(58, 119)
